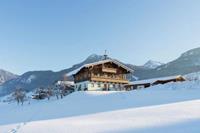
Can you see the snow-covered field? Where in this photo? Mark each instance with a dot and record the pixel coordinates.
(170, 108)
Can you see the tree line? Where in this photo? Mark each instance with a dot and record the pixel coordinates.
(58, 91)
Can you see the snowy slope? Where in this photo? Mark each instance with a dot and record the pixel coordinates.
(172, 107)
(177, 118)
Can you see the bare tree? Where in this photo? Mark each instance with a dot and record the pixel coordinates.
(19, 95)
(49, 92)
(56, 91)
(59, 91)
(62, 91)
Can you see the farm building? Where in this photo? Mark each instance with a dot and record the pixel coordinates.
(103, 75)
(150, 82)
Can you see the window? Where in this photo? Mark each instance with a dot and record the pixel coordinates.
(85, 87)
(119, 86)
(92, 84)
(79, 88)
(99, 84)
(105, 87)
(113, 85)
(108, 87)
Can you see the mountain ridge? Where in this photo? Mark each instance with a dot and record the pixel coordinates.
(188, 62)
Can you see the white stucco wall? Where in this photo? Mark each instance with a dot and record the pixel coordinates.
(81, 86)
(95, 86)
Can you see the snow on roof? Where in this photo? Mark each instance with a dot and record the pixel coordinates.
(154, 80)
(100, 62)
(66, 82)
(74, 71)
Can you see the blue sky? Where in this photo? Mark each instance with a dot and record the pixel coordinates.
(53, 35)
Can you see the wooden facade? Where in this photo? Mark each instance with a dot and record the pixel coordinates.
(104, 72)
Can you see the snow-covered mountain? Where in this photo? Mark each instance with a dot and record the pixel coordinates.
(5, 76)
(34, 79)
(188, 62)
(152, 64)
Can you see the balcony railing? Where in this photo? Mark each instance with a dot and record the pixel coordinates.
(109, 70)
(117, 79)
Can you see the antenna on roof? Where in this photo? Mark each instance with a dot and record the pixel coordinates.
(105, 55)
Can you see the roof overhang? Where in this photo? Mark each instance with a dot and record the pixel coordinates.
(102, 62)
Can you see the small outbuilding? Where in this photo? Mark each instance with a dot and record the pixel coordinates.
(151, 82)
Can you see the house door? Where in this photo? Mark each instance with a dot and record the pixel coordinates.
(105, 87)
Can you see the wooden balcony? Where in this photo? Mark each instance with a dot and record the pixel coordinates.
(109, 70)
(108, 79)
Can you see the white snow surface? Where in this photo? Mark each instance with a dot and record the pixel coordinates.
(170, 108)
(193, 76)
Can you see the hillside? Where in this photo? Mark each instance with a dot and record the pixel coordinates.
(5, 76)
(174, 106)
(34, 79)
(188, 62)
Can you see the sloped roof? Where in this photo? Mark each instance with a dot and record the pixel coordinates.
(154, 80)
(101, 62)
